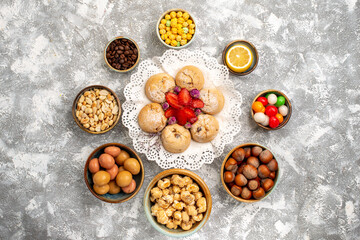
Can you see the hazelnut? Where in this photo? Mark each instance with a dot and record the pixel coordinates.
(272, 165)
(230, 164)
(236, 190)
(264, 171)
(253, 184)
(266, 156)
(267, 184)
(245, 193)
(272, 175)
(229, 177)
(234, 170)
(253, 161)
(250, 172)
(247, 152)
(255, 151)
(241, 168)
(259, 193)
(238, 154)
(240, 180)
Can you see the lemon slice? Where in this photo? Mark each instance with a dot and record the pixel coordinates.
(239, 58)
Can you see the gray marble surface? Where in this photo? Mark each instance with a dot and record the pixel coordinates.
(52, 49)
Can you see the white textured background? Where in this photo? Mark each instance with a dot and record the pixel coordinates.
(52, 49)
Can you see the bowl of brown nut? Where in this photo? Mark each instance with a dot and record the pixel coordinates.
(96, 109)
(177, 202)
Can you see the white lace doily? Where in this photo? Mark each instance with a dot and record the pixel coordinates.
(197, 154)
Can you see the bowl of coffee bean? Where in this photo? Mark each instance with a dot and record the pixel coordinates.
(122, 54)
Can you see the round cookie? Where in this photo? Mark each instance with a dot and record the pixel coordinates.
(205, 128)
(151, 118)
(190, 77)
(157, 85)
(175, 138)
(213, 100)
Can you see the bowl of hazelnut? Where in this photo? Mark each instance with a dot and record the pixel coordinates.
(249, 173)
(177, 202)
(114, 173)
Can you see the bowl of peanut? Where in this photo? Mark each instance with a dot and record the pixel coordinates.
(96, 109)
(177, 202)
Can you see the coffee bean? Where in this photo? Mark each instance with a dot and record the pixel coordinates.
(126, 52)
(127, 47)
(122, 56)
(116, 55)
(118, 52)
(121, 48)
(122, 61)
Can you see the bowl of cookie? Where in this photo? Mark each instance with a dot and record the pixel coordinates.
(177, 202)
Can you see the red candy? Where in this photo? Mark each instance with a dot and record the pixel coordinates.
(271, 111)
(263, 100)
(273, 122)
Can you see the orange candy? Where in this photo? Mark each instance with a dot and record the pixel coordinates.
(258, 107)
(279, 117)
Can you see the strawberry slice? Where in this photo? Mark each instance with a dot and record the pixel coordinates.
(193, 120)
(197, 103)
(181, 117)
(184, 97)
(173, 100)
(189, 113)
(170, 112)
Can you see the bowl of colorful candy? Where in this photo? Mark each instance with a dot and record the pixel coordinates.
(271, 109)
(176, 28)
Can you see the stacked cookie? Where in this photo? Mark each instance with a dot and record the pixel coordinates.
(181, 109)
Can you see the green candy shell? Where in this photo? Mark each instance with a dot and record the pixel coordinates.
(168, 23)
(280, 101)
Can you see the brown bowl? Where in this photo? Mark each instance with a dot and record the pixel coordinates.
(254, 52)
(125, 70)
(227, 188)
(120, 197)
(177, 232)
(287, 103)
(77, 99)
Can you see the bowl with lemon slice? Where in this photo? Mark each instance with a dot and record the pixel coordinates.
(241, 57)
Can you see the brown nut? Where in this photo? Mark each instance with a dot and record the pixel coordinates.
(263, 171)
(240, 180)
(250, 172)
(259, 193)
(236, 190)
(266, 156)
(253, 184)
(272, 175)
(230, 164)
(229, 177)
(234, 170)
(247, 152)
(272, 165)
(255, 151)
(246, 193)
(267, 184)
(238, 154)
(253, 161)
(241, 168)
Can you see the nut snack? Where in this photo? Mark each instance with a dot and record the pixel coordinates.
(178, 202)
(97, 109)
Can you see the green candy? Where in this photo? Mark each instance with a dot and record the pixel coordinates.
(178, 44)
(280, 101)
(186, 30)
(168, 23)
(267, 95)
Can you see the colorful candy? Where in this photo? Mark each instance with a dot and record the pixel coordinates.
(272, 99)
(273, 122)
(257, 107)
(280, 101)
(283, 110)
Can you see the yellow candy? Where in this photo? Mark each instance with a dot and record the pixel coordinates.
(168, 29)
(191, 31)
(163, 21)
(192, 25)
(188, 36)
(162, 31)
(174, 30)
(163, 36)
(179, 26)
(172, 37)
(173, 14)
(167, 17)
(161, 26)
(179, 14)
(189, 21)
(183, 42)
(186, 16)
(173, 24)
(181, 20)
(174, 20)
(174, 42)
(180, 31)
(167, 41)
(185, 24)
(178, 38)
(183, 36)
